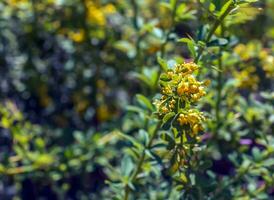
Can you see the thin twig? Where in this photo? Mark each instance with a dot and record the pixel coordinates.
(213, 29)
(141, 160)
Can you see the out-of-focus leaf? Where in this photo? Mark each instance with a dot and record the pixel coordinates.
(144, 101)
(130, 139)
(191, 48)
(134, 109)
(218, 42)
(192, 179)
(126, 166)
(162, 63)
(125, 47)
(144, 136)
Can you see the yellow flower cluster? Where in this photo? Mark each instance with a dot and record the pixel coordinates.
(167, 90)
(193, 118)
(16, 2)
(192, 88)
(254, 50)
(184, 83)
(247, 79)
(96, 14)
(246, 52)
(179, 90)
(267, 61)
(77, 36)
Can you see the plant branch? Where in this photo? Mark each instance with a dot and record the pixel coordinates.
(141, 160)
(219, 86)
(173, 15)
(217, 23)
(219, 91)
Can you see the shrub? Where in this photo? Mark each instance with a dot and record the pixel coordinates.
(136, 99)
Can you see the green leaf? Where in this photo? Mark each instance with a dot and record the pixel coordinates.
(244, 166)
(149, 77)
(162, 63)
(130, 139)
(205, 165)
(185, 40)
(190, 45)
(192, 179)
(126, 166)
(165, 5)
(144, 136)
(169, 139)
(225, 7)
(79, 136)
(233, 158)
(144, 101)
(269, 162)
(131, 185)
(154, 78)
(202, 44)
(183, 13)
(172, 3)
(168, 116)
(216, 68)
(218, 42)
(134, 109)
(143, 79)
(5, 122)
(191, 48)
(256, 154)
(164, 77)
(156, 157)
(125, 47)
(212, 7)
(148, 153)
(247, 1)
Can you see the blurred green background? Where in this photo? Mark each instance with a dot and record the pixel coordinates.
(69, 68)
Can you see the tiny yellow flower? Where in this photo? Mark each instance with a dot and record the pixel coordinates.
(109, 9)
(77, 36)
